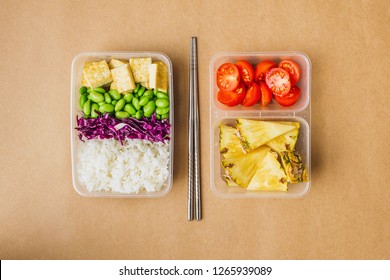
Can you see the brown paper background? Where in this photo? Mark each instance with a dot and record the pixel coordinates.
(344, 216)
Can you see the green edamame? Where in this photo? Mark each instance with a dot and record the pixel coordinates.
(101, 103)
(141, 91)
(107, 97)
(83, 90)
(135, 103)
(96, 96)
(130, 109)
(161, 94)
(139, 114)
(136, 88)
(165, 116)
(122, 115)
(149, 108)
(89, 90)
(162, 102)
(120, 104)
(106, 108)
(94, 108)
(162, 111)
(144, 100)
(99, 90)
(155, 91)
(87, 108)
(128, 97)
(82, 100)
(113, 102)
(115, 94)
(149, 93)
(158, 117)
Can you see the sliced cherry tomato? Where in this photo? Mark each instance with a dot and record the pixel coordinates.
(266, 94)
(232, 98)
(293, 70)
(262, 68)
(252, 96)
(290, 98)
(228, 77)
(278, 80)
(246, 72)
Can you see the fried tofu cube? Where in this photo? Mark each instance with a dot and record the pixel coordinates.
(158, 74)
(123, 78)
(97, 74)
(140, 68)
(115, 63)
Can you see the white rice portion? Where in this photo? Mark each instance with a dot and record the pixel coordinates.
(138, 165)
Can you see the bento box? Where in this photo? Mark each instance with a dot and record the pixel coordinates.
(122, 124)
(241, 161)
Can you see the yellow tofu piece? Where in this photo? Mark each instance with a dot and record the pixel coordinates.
(123, 78)
(145, 84)
(84, 81)
(113, 85)
(115, 63)
(97, 74)
(158, 76)
(140, 68)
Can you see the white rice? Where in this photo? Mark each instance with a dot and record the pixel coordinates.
(138, 165)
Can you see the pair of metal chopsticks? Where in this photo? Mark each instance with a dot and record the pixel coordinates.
(193, 139)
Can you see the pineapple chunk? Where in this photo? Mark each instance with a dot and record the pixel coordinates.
(269, 176)
(287, 141)
(293, 166)
(253, 133)
(229, 143)
(241, 168)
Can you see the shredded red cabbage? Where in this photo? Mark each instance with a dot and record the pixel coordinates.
(107, 127)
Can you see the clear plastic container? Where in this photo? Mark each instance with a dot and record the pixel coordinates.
(77, 69)
(221, 114)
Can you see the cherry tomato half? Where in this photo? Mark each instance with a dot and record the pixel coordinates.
(252, 96)
(293, 70)
(262, 68)
(246, 72)
(232, 98)
(266, 94)
(290, 98)
(278, 80)
(228, 77)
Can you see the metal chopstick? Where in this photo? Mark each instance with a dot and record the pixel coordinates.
(198, 209)
(190, 201)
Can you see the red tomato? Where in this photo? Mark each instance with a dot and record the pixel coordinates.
(262, 68)
(293, 70)
(278, 80)
(266, 94)
(246, 71)
(228, 77)
(252, 96)
(290, 98)
(232, 98)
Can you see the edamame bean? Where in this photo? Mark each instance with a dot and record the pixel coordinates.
(162, 102)
(115, 94)
(161, 94)
(165, 116)
(83, 90)
(135, 103)
(128, 97)
(94, 108)
(106, 108)
(149, 108)
(87, 108)
(113, 102)
(101, 103)
(120, 104)
(139, 114)
(144, 100)
(96, 96)
(136, 88)
(149, 93)
(82, 100)
(141, 91)
(158, 117)
(122, 115)
(100, 90)
(130, 109)
(155, 91)
(89, 90)
(162, 111)
(107, 97)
